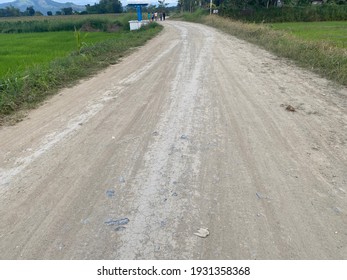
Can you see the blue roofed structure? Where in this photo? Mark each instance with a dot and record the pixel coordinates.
(138, 4)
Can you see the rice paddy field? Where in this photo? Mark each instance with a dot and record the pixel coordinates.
(24, 50)
(331, 32)
(29, 41)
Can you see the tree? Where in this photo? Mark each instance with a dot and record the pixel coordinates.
(111, 6)
(105, 6)
(49, 13)
(192, 5)
(30, 11)
(91, 9)
(10, 11)
(67, 11)
(162, 4)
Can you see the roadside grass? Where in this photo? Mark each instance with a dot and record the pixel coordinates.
(23, 90)
(319, 56)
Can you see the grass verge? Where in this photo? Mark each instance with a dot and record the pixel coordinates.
(318, 56)
(26, 90)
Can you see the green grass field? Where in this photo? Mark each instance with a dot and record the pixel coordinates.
(35, 63)
(331, 32)
(29, 41)
(21, 51)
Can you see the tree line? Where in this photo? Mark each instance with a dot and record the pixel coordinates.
(103, 7)
(272, 10)
(284, 10)
(266, 4)
(192, 5)
(11, 11)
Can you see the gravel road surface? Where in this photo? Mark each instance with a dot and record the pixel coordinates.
(194, 130)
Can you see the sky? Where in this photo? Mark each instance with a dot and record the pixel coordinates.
(85, 2)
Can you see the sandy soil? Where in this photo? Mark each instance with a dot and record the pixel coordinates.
(189, 132)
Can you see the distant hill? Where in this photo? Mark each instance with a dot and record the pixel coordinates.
(42, 6)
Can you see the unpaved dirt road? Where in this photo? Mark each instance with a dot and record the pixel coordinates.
(190, 131)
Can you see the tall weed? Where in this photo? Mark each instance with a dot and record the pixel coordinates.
(80, 43)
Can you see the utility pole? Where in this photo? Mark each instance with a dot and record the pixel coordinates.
(210, 7)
